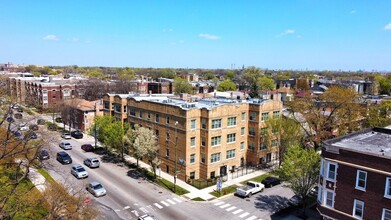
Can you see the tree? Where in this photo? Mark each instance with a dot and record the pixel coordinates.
(266, 84)
(126, 74)
(251, 76)
(301, 170)
(209, 75)
(230, 75)
(379, 115)
(182, 86)
(384, 84)
(102, 123)
(226, 85)
(113, 137)
(168, 73)
(95, 73)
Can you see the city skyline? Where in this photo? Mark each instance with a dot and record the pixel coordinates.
(299, 35)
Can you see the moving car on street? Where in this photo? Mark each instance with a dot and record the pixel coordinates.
(64, 158)
(77, 134)
(78, 171)
(43, 155)
(271, 181)
(66, 145)
(66, 136)
(96, 189)
(250, 189)
(92, 162)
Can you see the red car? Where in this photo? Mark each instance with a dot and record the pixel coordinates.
(87, 147)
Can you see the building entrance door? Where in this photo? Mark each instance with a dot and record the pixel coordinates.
(223, 171)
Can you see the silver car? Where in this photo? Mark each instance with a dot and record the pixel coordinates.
(78, 171)
(96, 189)
(66, 145)
(92, 162)
(66, 136)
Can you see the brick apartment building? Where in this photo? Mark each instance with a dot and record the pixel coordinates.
(208, 138)
(355, 176)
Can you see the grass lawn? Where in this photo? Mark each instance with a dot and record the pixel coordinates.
(257, 178)
(225, 191)
(198, 199)
(47, 176)
(166, 184)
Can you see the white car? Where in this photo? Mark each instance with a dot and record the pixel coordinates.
(66, 145)
(66, 136)
(23, 127)
(78, 171)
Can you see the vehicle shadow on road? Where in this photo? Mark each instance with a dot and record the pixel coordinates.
(135, 174)
(270, 203)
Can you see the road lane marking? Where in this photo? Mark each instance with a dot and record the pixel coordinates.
(150, 207)
(177, 200)
(144, 210)
(170, 201)
(244, 215)
(237, 211)
(126, 207)
(219, 203)
(165, 203)
(225, 206)
(135, 212)
(157, 205)
(231, 208)
(252, 218)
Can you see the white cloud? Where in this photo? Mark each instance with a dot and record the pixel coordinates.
(51, 37)
(387, 27)
(210, 36)
(286, 32)
(353, 12)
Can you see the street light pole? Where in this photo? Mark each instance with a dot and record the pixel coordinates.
(95, 124)
(176, 160)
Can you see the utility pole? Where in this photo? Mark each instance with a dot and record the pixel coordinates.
(176, 160)
(95, 124)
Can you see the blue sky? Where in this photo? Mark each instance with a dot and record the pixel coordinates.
(273, 34)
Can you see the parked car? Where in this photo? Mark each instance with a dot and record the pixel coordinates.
(10, 119)
(41, 121)
(250, 189)
(23, 127)
(19, 109)
(296, 200)
(271, 181)
(52, 127)
(78, 171)
(87, 147)
(31, 135)
(77, 134)
(92, 162)
(33, 127)
(145, 217)
(43, 155)
(64, 158)
(18, 116)
(18, 134)
(66, 136)
(96, 189)
(66, 145)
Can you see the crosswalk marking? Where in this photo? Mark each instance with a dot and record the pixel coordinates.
(170, 201)
(165, 203)
(252, 218)
(126, 207)
(231, 208)
(225, 206)
(177, 200)
(219, 203)
(144, 210)
(157, 205)
(244, 215)
(237, 211)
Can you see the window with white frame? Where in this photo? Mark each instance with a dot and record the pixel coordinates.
(132, 111)
(263, 145)
(251, 131)
(386, 214)
(242, 131)
(276, 114)
(331, 171)
(320, 195)
(157, 118)
(193, 124)
(215, 157)
(216, 141)
(140, 114)
(361, 180)
(243, 116)
(241, 145)
(265, 116)
(253, 116)
(251, 146)
(192, 158)
(202, 158)
(263, 132)
(231, 138)
(329, 199)
(192, 141)
(387, 191)
(230, 154)
(231, 121)
(358, 209)
(203, 142)
(216, 123)
(321, 167)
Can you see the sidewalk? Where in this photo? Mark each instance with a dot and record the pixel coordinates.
(193, 191)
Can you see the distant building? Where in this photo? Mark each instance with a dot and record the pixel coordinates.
(355, 176)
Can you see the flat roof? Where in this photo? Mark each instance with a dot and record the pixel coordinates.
(376, 141)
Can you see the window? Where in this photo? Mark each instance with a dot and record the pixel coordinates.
(361, 180)
(132, 112)
(216, 141)
(157, 133)
(331, 171)
(192, 175)
(320, 195)
(216, 123)
(106, 104)
(251, 146)
(149, 116)
(251, 131)
(242, 131)
(231, 121)
(215, 158)
(241, 145)
(157, 118)
(274, 143)
(230, 154)
(168, 120)
(321, 167)
(203, 141)
(168, 136)
(202, 158)
(203, 123)
(265, 116)
(192, 158)
(193, 124)
(192, 141)
(263, 132)
(330, 199)
(387, 191)
(243, 116)
(125, 108)
(231, 138)
(117, 108)
(386, 214)
(212, 174)
(276, 114)
(253, 116)
(358, 209)
(263, 146)
(140, 114)
(167, 152)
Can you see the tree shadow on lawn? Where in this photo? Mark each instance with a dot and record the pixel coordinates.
(271, 203)
(135, 174)
(112, 159)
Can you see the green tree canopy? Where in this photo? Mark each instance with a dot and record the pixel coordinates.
(379, 115)
(209, 75)
(384, 84)
(226, 85)
(251, 76)
(126, 74)
(266, 84)
(182, 86)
